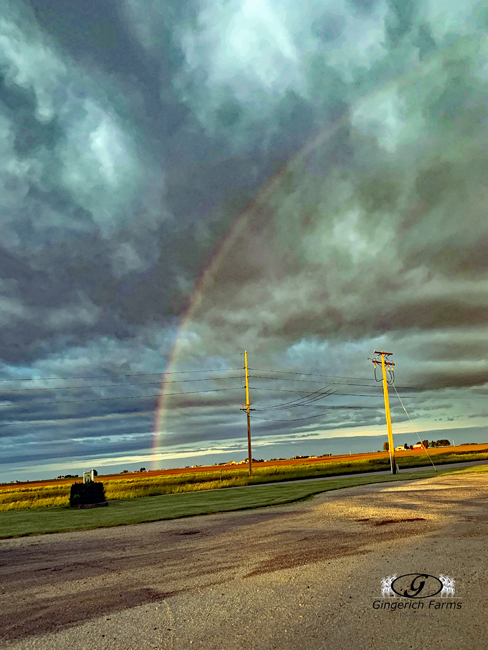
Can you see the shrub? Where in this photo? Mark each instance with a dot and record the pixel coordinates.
(86, 493)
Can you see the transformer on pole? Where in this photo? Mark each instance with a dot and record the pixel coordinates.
(380, 359)
(247, 406)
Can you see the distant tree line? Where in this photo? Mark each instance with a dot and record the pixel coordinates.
(433, 443)
(438, 443)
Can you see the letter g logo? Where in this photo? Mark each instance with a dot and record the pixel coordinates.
(416, 585)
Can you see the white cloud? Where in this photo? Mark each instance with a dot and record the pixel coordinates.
(81, 313)
(381, 115)
(99, 167)
(29, 60)
(13, 311)
(246, 39)
(125, 259)
(97, 161)
(450, 16)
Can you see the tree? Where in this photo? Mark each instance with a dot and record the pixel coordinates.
(425, 443)
(143, 469)
(86, 494)
(386, 446)
(443, 443)
(440, 443)
(95, 473)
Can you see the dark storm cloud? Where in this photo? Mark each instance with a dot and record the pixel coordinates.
(392, 256)
(34, 452)
(99, 37)
(133, 134)
(454, 377)
(68, 258)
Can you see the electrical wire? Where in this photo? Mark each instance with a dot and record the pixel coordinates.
(304, 399)
(57, 421)
(136, 374)
(140, 383)
(123, 397)
(312, 381)
(375, 377)
(299, 401)
(308, 417)
(157, 383)
(286, 390)
(309, 374)
(115, 415)
(408, 416)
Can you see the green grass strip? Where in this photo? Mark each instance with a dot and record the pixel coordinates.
(13, 497)
(18, 523)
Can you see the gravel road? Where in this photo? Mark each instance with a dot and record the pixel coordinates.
(304, 576)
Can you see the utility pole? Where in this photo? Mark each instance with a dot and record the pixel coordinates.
(384, 365)
(247, 406)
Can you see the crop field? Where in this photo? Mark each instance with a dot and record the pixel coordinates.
(18, 523)
(125, 487)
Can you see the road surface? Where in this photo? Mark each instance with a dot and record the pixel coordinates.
(303, 575)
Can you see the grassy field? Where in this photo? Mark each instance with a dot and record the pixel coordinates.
(18, 523)
(130, 488)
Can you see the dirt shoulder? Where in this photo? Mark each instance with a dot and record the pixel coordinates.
(302, 575)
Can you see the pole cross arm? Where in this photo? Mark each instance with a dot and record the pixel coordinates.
(380, 360)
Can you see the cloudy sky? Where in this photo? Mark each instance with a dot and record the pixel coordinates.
(181, 181)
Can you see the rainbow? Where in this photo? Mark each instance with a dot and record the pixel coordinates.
(241, 223)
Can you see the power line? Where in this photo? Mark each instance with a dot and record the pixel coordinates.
(135, 374)
(303, 399)
(287, 390)
(299, 403)
(332, 383)
(210, 390)
(89, 387)
(408, 416)
(309, 417)
(162, 383)
(310, 374)
(116, 415)
(123, 397)
(312, 381)
(306, 400)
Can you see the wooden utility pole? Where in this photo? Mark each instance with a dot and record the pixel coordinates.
(384, 365)
(247, 406)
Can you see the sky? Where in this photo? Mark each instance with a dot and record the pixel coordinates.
(184, 181)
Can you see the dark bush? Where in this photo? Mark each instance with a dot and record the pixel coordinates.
(86, 493)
